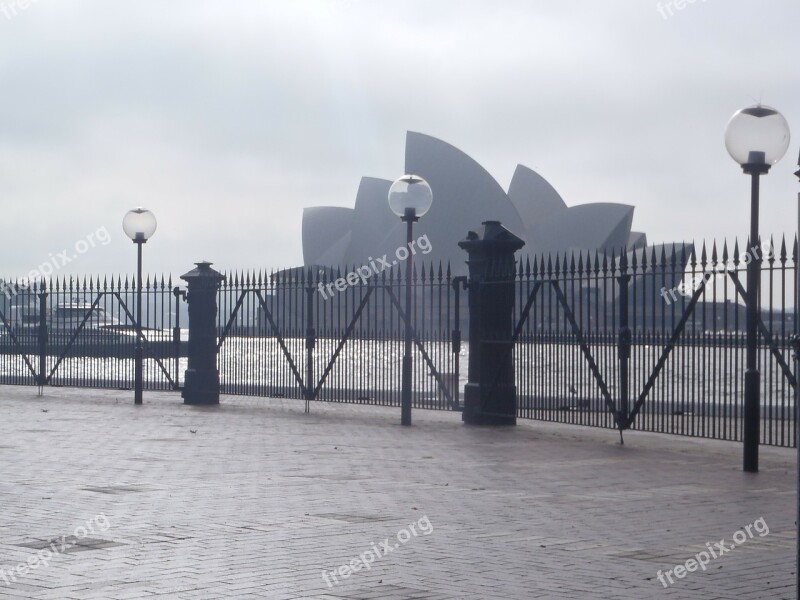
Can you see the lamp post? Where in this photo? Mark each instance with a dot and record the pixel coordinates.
(410, 197)
(139, 224)
(757, 137)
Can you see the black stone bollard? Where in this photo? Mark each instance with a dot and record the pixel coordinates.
(201, 383)
(490, 396)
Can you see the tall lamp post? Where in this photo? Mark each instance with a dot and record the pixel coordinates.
(139, 224)
(410, 197)
(757, 137)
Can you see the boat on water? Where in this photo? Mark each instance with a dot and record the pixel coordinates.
(81, 329)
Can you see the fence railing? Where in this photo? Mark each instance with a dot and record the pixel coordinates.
(655, 340)
(71, 332)
(291, 334)
(651, 339)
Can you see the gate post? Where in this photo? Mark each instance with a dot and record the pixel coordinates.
(201, 381)
(490, 396)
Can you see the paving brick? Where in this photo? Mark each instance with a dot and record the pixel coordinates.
(263, 498)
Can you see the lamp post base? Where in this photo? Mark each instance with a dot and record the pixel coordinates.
(137, 375)
(405, 400)
(752, 416)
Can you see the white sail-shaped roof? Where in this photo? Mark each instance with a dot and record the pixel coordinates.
(326, 234)
(464, 195)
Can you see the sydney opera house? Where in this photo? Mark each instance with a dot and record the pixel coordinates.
(464, 195)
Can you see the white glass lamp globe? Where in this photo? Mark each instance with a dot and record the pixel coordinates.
(410, 192)
(139, 224)
(757, 135)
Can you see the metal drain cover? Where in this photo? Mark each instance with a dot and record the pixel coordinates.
(354, 518)
(115, 489)
(68, 544)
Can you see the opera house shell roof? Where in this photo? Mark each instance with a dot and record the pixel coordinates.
(464, 195)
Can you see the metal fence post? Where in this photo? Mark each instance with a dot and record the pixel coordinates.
(457, 283)
(624, 341)
(311, 342)
(42, 337)
(176, 334)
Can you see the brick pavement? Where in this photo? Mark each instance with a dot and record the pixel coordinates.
(262, 498)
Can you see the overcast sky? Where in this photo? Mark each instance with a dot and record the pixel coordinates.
(227, 117)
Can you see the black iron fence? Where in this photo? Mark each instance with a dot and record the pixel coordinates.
(655, 340)
(295, 334)
(651, 339)
(72, 332)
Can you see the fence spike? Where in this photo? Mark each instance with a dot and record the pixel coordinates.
(653, 258)
(771, 258)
